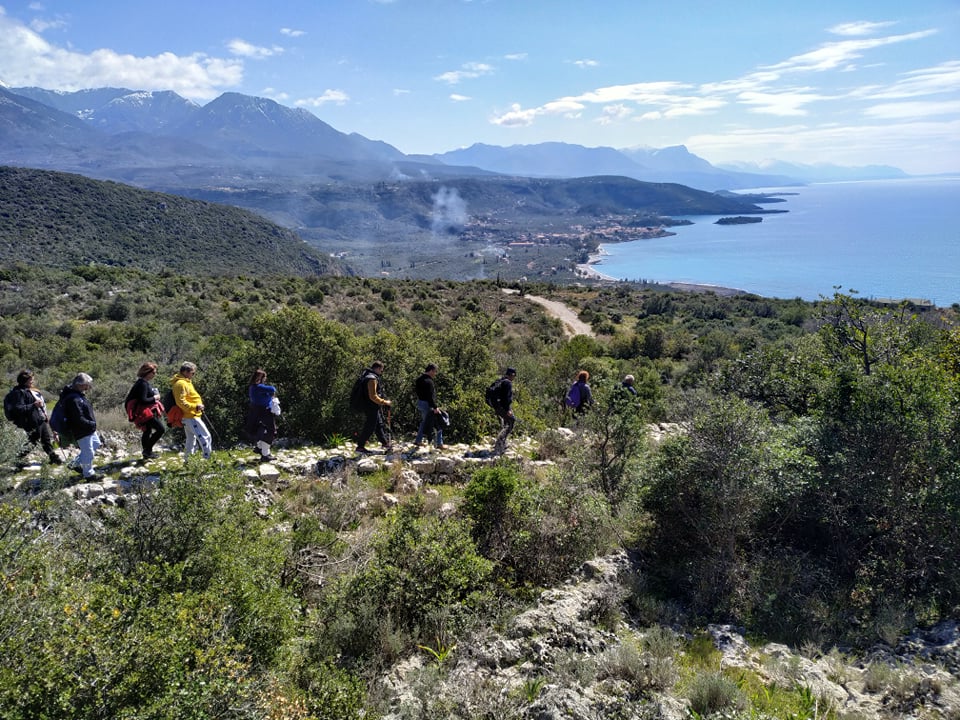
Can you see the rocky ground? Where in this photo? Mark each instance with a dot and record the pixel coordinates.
(576, 653)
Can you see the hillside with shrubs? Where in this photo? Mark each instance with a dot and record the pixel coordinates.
(788, 469)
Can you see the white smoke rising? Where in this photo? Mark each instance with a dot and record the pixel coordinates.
(449, 211)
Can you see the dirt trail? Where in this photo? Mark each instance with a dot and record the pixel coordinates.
(572, 325)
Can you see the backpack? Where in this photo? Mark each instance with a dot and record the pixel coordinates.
(359, 397)
(573, 396)
(58, 419)
(10, 406)
(172, 410)
(492, 395)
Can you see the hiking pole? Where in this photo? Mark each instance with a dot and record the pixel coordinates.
(209, 423)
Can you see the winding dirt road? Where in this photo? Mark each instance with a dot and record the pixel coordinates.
(572, 325)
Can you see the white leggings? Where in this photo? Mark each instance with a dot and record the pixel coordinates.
(196, 432)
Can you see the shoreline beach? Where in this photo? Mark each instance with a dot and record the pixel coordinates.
(588, 270)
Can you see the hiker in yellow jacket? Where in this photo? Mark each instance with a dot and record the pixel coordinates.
(190, 402)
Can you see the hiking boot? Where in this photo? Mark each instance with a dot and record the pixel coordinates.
(363, 451)
(55, 459)
(267, 458)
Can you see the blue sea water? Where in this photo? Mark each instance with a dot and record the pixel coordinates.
(883, 239)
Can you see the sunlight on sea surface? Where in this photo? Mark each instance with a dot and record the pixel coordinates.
(884, 239)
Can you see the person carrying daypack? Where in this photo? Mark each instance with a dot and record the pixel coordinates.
(260, 425)
(499, 396)
(579, 396)
(25, 407)
(371, 402)
(144, 408)
(79, 422)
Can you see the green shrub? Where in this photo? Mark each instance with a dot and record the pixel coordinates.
(422, 568)
(13, 441)
(713, 692)
(534, 533)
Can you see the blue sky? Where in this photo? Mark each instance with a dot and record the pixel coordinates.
(848, 82)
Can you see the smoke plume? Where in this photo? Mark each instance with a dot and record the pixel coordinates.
(449, 211)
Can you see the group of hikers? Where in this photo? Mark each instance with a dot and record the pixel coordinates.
(371, 402)
(73, 418)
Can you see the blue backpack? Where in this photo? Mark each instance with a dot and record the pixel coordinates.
(58, 419)
(573, 396)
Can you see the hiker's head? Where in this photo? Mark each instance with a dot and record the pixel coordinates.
(148, 368)
(24, 378)
(510, 374)
(258, 376)
(583, 376)
(187, 368)
(377, 366)
(431, 369)
(81, 382)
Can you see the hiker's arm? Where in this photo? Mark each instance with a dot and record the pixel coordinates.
(372, 393)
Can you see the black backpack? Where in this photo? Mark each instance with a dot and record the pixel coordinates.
(492, 395)
(10, 411)
(359, 397)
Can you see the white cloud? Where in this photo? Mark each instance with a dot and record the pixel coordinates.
(649, 92)
(467, 71)
(42, 25)
(925, 81)
(780, 103)
(274, 94)
(838, 54)
(459, 98)
(904, 110)
(614, 113)
(29, 60)
(255, 52)
(857, 29)
(290, 32)
(515, 56)
(397, 92)
(337, 97)
(586, 63)
(516, 116)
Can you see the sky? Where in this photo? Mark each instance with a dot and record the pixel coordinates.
(847, 82)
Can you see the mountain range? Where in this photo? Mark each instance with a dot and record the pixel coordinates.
(243, 132)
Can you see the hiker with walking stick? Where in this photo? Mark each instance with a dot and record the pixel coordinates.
(372, 404)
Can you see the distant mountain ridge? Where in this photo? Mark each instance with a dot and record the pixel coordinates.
(821, 172)
(241, 134)
(563, 160)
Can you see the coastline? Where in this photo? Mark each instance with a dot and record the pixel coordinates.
(588, 270)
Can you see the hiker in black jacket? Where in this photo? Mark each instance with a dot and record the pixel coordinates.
(26, 408)
(145, 409)
(81, 422)
(503, 407)
(426, 390)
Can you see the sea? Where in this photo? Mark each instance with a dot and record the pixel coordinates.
(884, 239)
